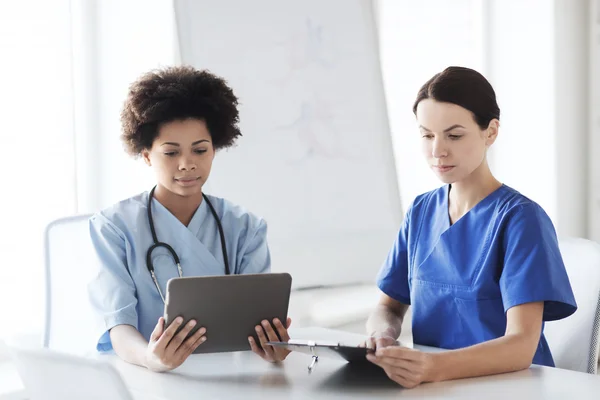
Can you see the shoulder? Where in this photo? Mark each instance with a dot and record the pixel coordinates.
(236, 215)
(124, 215)
(521, 221)
(512, 206)
(425, 201)
(433, 195)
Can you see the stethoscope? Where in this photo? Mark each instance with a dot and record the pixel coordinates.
(171, 250)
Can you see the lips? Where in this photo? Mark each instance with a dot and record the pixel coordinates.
(443, 168)
(188, 181)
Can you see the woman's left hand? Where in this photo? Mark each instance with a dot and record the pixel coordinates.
(405, 366)
(265, 334)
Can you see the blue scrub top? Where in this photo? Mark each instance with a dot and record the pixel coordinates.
(460, 279)
(123, 292)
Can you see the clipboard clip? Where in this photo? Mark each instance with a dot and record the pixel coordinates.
(314, 361)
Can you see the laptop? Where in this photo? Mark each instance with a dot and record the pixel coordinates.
(50, 375)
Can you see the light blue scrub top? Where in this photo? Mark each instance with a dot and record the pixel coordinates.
(123, 292)
(460, 279)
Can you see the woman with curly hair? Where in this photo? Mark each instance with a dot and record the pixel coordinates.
(175, 119)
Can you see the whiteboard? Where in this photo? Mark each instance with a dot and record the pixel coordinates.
(316, 158)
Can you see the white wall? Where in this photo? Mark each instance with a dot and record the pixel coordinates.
(419, 39)
(538, 58)
(571, 112)
(521, 69)
(594, 121)
(535, 54)
(120, 41)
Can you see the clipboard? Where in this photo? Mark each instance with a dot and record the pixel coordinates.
(335, 350)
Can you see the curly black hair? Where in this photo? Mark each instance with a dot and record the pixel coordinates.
(178, 93)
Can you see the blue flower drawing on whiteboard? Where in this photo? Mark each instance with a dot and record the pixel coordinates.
(308, 48)
(309, 126)
(308, 55)
(315, 131)
(305, 48)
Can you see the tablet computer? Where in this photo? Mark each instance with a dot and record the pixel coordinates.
(352, 354)
(228, 306)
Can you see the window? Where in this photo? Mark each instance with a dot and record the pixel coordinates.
(37, 164)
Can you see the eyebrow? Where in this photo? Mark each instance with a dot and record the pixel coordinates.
(445, 130)
(177, 144)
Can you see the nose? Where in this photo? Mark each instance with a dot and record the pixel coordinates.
(438, 148)
(187, 164)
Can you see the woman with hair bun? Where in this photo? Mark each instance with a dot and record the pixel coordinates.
(477, 261)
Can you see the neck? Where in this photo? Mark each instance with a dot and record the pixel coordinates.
(182, 207)
(470, 191)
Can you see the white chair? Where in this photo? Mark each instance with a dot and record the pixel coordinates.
(47, 374)
(574, 340)
(70, 324)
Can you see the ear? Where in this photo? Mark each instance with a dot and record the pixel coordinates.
(146, 157)
(491, 133)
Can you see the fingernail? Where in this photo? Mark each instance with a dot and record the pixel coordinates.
(203, 338)
(258, 329)
(192, 323)
(250, 339)
(202, 330)
(179, 320)
(276, 320)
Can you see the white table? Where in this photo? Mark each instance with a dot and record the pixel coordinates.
(244, 375)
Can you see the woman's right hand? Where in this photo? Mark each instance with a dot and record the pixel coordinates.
(380, 340)
(167, 351)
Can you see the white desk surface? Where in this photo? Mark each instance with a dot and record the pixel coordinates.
(245, 376)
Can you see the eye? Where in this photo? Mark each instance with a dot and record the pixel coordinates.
(200, 151)
(170, 153)
(455, 137)
(427, 136)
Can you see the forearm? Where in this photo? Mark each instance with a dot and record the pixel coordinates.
(129, 344)
(385, 320)
(506, 354)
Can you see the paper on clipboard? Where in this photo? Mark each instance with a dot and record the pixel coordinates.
(326, 349)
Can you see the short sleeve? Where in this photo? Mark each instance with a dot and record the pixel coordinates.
(533, 268)
(393, 275)
(255, 257)
(111, 291)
